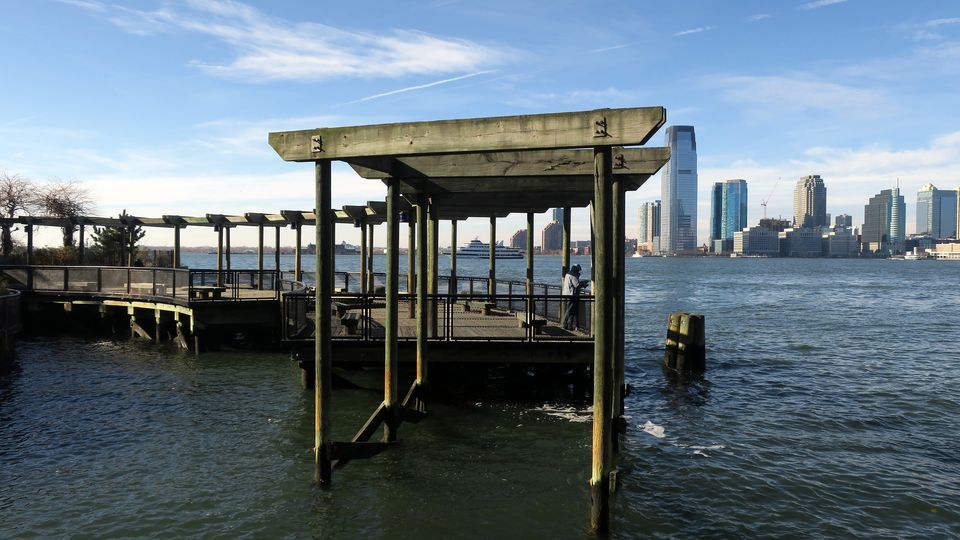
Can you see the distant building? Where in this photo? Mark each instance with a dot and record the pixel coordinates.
(580, 247)
(756, 241)
(810, 202)
(728, 213)
(648, 234)
(519, 239)
(937, 212)
(884, 221)
(840, 242)
(801, 242)
(843, 220)
(775, 225)
(678, 191)
(551, 237)
(558, 214)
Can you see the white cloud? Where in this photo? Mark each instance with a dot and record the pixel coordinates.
(798, 93)
(820, 4)
(608, 97)
(422, 86)
(941, 22)
(89, 5)
(605, 49)
(266, 49)
(693, 31)
(758, 17)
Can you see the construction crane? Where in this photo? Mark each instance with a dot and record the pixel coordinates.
(764, 202)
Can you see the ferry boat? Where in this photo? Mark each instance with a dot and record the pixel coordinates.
(480, 250)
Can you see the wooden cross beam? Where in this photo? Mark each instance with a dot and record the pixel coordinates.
(521, 184)
(584, 129)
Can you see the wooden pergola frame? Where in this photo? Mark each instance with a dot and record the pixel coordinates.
(464, 166)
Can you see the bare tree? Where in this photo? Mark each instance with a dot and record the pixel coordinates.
(17, 196)
(66, 200)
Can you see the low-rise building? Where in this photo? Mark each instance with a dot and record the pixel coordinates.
(756, 241)
(840, 243)
(801, 242)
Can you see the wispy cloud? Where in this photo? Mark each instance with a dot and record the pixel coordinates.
(422, 86)
(607, 97)
(941, 22)
(820, 4)
(89, 5)
(605, 49)
(797, 93)
(266, 49)
(693, 31)
(758, 17)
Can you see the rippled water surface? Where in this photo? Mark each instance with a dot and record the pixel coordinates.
(829, 409)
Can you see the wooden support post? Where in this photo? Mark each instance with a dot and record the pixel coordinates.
(333, 255)
(260, 257)
(29, 228)
(565, 245)
(298, 252)
(181, 338)
(227, 249)
(80, 247)
(686, 344)
(219, 255)
(411, 265)
(453, 289)
(392, 319)
(363, 257)
(433, 258)
(156, 329)
(276, 254)
(603, 352)
(370, 281)
(131, 247)
(323, 347)
(492, 277)
(176, 246)
(529, 253)
(617, 370)
(422, 353)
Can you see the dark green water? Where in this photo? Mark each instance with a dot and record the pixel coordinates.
(829, 410)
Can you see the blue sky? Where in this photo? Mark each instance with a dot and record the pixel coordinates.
(164, 107)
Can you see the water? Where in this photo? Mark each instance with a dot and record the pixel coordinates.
(829, 410)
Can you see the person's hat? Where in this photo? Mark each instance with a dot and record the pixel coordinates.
(575, 268)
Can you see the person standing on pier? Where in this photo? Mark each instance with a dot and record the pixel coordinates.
(571, 289)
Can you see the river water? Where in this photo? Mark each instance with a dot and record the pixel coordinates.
(829, 409)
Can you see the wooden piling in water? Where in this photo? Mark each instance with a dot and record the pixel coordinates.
(619, 279)
(685, 349)
(323, 347)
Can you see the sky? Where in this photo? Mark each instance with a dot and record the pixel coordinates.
(163, 107)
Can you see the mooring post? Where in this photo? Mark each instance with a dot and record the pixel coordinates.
(219, 255)
(392, 320)
(453, 288)
(176, 246)
(492, 277)
(565, 256)
(323, 364)
(411, 262)
(227, 249)
(422, 358)
(685, 349)
(298, 252)
(260, 256)
(433, 241)
(603, 351)
(363, 258)
(616, 371)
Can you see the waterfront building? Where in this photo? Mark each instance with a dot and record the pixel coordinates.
(678, 191)
(884, 221)
(936, 212)
(756, 241)
(551, 237)
(801, 242)
(774, 224)
(840, 242)
(810, 202)
(950, 252)
(519, 239)
(648, 219)
(558, 214)
(843, 221)
(728, 213)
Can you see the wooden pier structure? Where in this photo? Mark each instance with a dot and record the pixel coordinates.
(480, 167)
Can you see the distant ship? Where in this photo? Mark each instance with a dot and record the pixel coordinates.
(479, 250)
(344, 248)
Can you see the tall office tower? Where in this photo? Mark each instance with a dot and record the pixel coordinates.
(810, 202)
(884, 221)
(842, 221)
(648, 237)
(728, 213)
(558, 214)
(519, 239)
(936, 212)
(551, 238)
(678, 191)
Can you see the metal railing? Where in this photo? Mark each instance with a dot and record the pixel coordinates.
(460, 317)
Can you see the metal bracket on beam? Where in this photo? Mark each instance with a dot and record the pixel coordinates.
(600, 127)
(619, 162)
(316, 144)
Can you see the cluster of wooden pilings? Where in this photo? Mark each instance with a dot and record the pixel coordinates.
(685, 350)
(481, 167)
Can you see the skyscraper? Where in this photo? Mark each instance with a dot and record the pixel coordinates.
(936, 212)
(519, 239)
(558, 214)
(728, 213)
(810, 202)
(551, 237)
(884, 221)
(648, 237)
(678, 191)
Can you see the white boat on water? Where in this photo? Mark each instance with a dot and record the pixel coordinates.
(480, 250)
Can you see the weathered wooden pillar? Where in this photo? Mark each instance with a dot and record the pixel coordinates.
(492, 277)
(176, 246)
(422, 304)
(617, 371)
(363, 257)
(29, 228)
(453, 288)
(219, 255)
(411, 263)
(298, 252)
(333, 252)
(131, 247)
(392, 319)
(323, 348)
(529, 256)
(260, 256)
(276, 254)
(603, 352)
(433, 257)
(227, 250)
(686, 343)
(80, 247)
(565, 245)
(371, 283)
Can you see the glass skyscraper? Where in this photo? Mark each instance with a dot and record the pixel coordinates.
(936, 212)
(678, 190)
(728, 213)
(884, 223)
